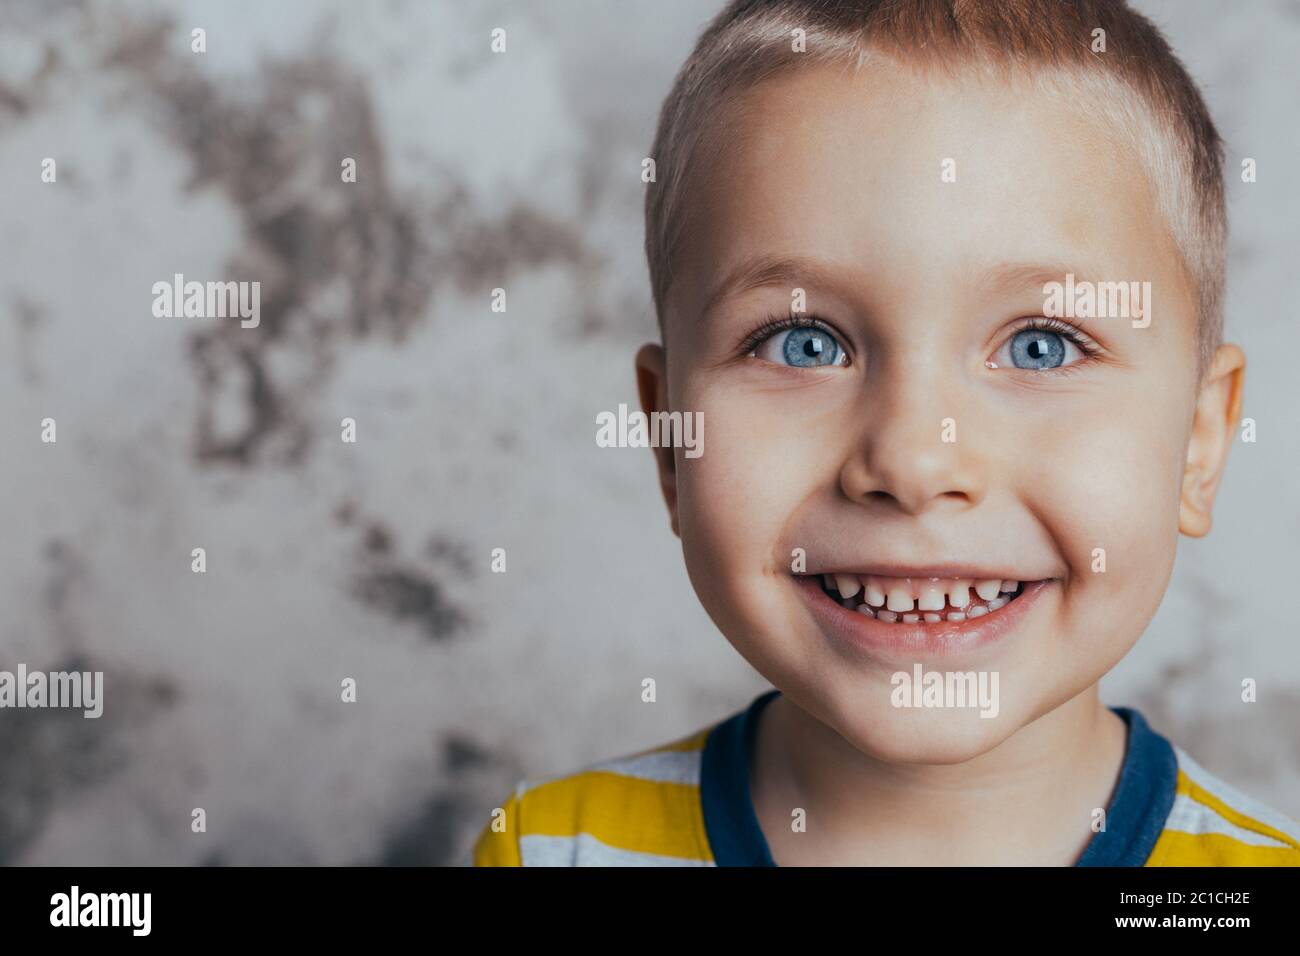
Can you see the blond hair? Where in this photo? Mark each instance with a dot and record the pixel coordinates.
(1138, 86)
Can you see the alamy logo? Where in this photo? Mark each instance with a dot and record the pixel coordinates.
(946, 689)
(102, 909)
(211, 300)
(73, 689)
(1098, 300)
(656, 430)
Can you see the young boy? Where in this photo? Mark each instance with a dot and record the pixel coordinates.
(944, 279)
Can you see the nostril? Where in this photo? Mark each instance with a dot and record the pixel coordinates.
(920, 504)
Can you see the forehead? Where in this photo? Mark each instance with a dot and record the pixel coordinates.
(894, 177)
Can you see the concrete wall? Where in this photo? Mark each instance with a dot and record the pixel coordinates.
(327, 560)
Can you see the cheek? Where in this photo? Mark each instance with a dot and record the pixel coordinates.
(756, 466)
(734, 500)
(1110, 482)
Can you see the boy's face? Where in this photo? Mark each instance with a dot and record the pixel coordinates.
(885, 444)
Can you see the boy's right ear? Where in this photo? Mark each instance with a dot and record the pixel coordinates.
(652, 384)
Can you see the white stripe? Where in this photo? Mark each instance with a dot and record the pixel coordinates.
(586, 850)
(661, 766)
(1188, 816)
(665, 766)
(1234, 798)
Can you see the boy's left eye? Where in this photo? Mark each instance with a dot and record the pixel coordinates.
(1039, 349)
(802, 347)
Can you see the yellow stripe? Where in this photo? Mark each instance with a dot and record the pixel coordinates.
(646, 816)
(1216, 849)
(1201, 795)
(1175, 848)
(693, 741)
(500, 848)
(625, 812)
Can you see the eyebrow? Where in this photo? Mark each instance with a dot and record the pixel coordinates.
(1015, 276)
(770, 270)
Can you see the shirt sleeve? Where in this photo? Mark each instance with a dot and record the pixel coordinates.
(498, 841)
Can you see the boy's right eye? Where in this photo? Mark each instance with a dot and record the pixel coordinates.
(804, 346)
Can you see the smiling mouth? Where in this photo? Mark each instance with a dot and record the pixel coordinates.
(920, 600)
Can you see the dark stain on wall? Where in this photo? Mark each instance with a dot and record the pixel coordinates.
(426, 838)
(403, 589)
(407, 594)
(29, 317)
(452, 553)
(336, 261)
(50, 755)
(432, 833)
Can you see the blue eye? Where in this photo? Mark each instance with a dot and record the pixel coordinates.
(802, 347)
(1034, 348)
(1039, 349)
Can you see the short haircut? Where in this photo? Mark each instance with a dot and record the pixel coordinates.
(1137, 86)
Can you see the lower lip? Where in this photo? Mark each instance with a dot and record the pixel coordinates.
(940, 639)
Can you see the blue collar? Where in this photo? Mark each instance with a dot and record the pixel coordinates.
(1134, 820)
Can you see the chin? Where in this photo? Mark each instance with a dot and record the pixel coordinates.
(911, 735)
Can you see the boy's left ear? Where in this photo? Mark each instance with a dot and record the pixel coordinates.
(1214, 429)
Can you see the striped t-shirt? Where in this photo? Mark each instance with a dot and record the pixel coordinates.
(687, 803)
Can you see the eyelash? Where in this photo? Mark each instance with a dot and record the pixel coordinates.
(1083, 343)
(782, 323)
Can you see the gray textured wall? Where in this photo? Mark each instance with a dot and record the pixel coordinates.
(328, 560)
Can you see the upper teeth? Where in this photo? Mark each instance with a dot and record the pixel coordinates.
(903, 595)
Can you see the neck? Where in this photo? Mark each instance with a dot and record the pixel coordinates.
(1028, 800)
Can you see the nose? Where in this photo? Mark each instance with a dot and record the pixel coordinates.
(915, 450)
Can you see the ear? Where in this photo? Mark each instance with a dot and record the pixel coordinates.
(652, 384)
(1214, 429)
